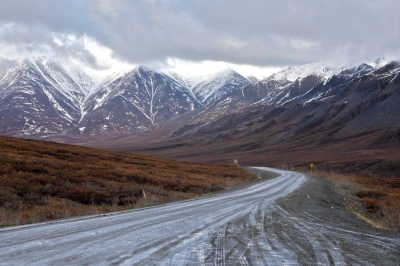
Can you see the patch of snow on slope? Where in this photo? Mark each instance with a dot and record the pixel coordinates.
(56, 105)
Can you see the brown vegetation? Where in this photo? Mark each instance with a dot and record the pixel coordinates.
(376, 200)
(40, 181)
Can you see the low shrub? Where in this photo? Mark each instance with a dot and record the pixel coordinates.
(41, 181)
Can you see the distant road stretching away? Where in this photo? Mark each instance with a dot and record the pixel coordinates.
(242, 227)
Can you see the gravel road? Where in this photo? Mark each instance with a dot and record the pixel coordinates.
(291, 219)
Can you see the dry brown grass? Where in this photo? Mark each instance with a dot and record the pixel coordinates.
(376, 200)
(41, 181)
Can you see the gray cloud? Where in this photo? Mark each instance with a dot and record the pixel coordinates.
(257, 32)
(36, 41)
(72, 16)
(31, 26)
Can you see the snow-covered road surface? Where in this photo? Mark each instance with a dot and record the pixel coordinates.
(243, 227)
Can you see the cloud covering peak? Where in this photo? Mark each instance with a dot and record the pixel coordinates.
(257, 33)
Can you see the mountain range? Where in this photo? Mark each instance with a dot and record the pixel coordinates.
(39, 98)
(348, 120)
(143, 110)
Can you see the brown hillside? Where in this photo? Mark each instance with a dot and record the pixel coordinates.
(41, 180)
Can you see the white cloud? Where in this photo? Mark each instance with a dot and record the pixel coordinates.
(81, 52)
(201, 70)
(102, 63)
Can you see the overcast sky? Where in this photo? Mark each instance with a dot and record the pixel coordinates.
(196, 37)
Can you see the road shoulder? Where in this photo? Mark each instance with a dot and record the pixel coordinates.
(317, 202)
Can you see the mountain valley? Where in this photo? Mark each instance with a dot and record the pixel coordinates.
(346, 122)
(337, 117)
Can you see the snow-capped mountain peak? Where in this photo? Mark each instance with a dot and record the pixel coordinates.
(218, 85)
(134, 102)
(129, 100)
(380, 62)
(295, 72)
(224, 72)
(46, 95)
(253, 79)
(180, 79)
(143, 68)
(357, 71)
(70, 81)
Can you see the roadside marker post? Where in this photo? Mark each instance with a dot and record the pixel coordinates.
(311, 166)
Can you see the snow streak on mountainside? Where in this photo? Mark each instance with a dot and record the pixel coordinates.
(38, 97)
(185, 82)
(60, 79)
(134, 102)
(219, 85)
(85, 82)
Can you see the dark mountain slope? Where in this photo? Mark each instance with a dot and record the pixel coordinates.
(329, 122)
(32, 105)
(132, 103)
(219, 85)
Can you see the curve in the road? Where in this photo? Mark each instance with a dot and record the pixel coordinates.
(243, 227)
